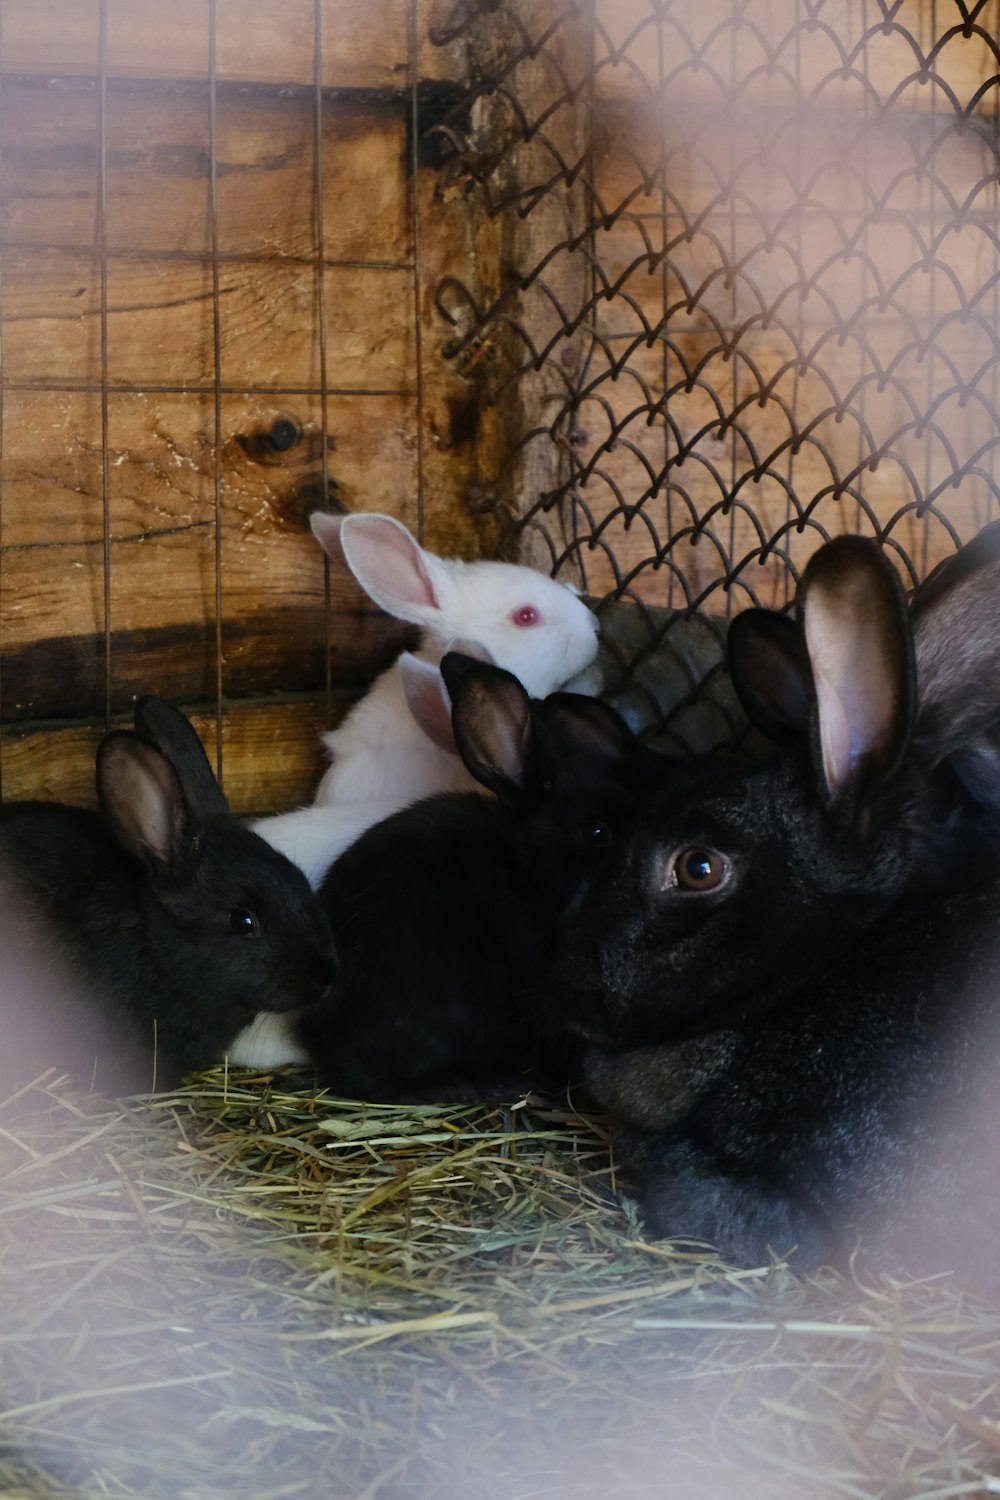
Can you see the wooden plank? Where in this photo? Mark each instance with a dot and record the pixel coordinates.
(160, 323)
(158, 174)
(276, 627)
(365, 43)
(272, 755)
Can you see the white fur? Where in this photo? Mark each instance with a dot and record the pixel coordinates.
(268, 1042)
(313, 837)
(380, 751)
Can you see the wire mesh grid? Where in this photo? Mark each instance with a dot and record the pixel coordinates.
(729, 283)
(750, 290)
(178, 281)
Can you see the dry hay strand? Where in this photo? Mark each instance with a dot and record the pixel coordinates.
(233, 1291)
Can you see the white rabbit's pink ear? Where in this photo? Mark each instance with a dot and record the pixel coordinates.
(427, 699)
(861, 657)
(326, 530)
(393, 570)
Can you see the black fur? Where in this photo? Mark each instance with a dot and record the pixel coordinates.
(806, 1058)
(145, 976)
(444, 915)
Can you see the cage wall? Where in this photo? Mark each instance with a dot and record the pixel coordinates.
(752, 289)
(212, 289)
(652, 294)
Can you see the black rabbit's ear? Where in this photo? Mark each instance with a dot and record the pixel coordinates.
(861, 654)
(141, 799)
(977, 766)
(491, 719)
(588, 724)
(956, 633)
(770, 670)
(167, 730)
(974, 562)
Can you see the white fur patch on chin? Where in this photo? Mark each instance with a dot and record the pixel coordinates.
(268, 1042)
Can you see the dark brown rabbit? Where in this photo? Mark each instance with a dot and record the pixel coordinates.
(790, 977)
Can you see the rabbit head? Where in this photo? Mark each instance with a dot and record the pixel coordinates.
(567, 767)
(230, 922)
(742, 883)
(528, 623)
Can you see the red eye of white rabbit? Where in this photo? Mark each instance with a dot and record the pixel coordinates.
(243, 923)
(527, 614)
(695, 869)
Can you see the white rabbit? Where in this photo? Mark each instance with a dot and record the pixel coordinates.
(526, 622)
(313, 837)
(396, 745)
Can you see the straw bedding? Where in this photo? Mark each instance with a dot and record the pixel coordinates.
(234, 1291)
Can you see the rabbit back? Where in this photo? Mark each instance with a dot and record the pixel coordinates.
(439, 937)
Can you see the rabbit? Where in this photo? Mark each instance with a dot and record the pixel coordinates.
(444, 914)
(396, 745)
(788, 978)
(169, 924)
(527, 622)
(313, 837)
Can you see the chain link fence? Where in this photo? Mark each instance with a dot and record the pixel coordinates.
(748, 297)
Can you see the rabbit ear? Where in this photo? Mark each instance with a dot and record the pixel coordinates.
(977, 765)
(491, 719)
(956, 633)
(393, 570)
(326, 529)
(165, 727)
(861, 655)
(770, 670)
(589, 725)
(141, 799)
(427, 699)
(471, 650)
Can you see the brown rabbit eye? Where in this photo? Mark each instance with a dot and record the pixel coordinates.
(698, 870)
(243, 923)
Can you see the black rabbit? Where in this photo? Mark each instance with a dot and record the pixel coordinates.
(140, 940)
(790, 977)
(444, 915)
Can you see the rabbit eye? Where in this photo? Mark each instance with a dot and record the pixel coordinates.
(526, 615)
(596, 835)
(243, 923)
(698, 870)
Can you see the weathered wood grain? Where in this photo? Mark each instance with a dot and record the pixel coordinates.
(272, 756)
(365, 43)
(160, 323)
(276, 625)
(158, 166)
